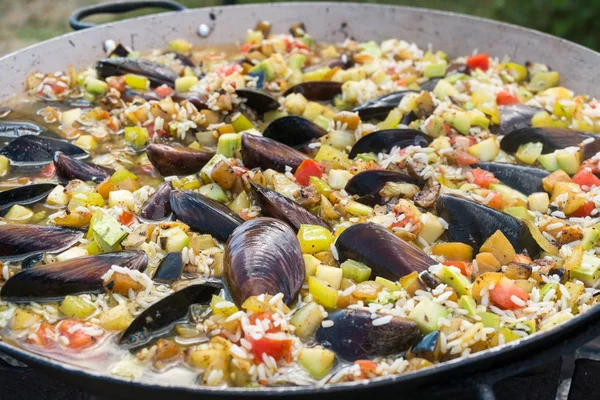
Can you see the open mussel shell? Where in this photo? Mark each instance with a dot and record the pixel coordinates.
(385, 140)
(265, 153)
(381, 106)
(158, 319)
(38, 150)
(317, 90)
(156, 73)
(552, 138)
(368, 184)
(14, 129)
(68, 168)
(80, 275)
(526, 180)
(280, 207)
(516, 116)
(385, 253)
(353, 335)
(170, 268)
(18, 241)
(473, 223)
(204, 215)
(177, 160)
(258, 100)
(24, 195)
(263, 256)
(293, 131)
(158, 206)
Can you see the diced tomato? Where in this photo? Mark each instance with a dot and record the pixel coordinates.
(367, 367)
(463, 158)
(464, 267)
(163, 91)
(495, 200)
(43, 335)
(462, 142)
(482, 178)
(117, 83)
(78, 339)
(584, 211)
(504, 98)
(586, 179)
(307, 169)
(245, 216)
(245, 48)
(502, 294)
(401, 82)
(57, 89)
(227, 70)
(276, 348)
(481, 61)
(126, 217)
(48, 171)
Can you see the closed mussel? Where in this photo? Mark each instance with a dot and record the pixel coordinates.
(258, 100)
(158, 206)
(68, 168)
(379, 107)
(20, 241)
(24, 195)
(368, 184)
(265, 153)
(383, 141)
(525, 179)
(156, 73)
(293, 131)
(38, 150)
(177, 160)
(317, 90)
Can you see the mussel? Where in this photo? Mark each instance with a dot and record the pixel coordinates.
(385, 253)
(385, 140)
(262, 152)
(317, 90)
(552, 139)
(38, 150)
(18, 241)
(525, 179)
(277, 206)
(52, 282)
(23, 195)
(156, 73)
(472, 223)
(158, 206)
(428, 347)
(177, 160)
(204, 215)
(263, 256)
(354, 335)
(516, 116)
(293, 131)
(170, 268)
(367, 184)
(159, 318)
(68, 168)
(381, 106)
(184, 60)
(258, 100)
(13, 129)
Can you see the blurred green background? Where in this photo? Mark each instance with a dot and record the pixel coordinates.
(23, 22)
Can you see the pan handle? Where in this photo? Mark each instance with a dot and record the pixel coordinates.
(75, 20)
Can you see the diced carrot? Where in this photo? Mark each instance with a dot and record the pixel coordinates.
(502, 294)
(78, 339)
(367, 367)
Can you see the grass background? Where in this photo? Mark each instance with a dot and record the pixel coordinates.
(23, 22)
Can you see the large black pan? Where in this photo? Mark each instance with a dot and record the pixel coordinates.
(455, 34)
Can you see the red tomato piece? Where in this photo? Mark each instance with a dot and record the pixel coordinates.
(463, 158)
(481, 61)
(307, 169)
(464, 267)
(584, 211)
(367, 367)
(502, 294)
(78, 339)
(117, 83)
(276, 348)
(43, 335)
(504, 98)
(163, 91)
(586, 179)
(126, 217)
(48, 171)
(482, 178)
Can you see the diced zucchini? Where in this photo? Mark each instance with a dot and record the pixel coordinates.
(485, 150)
(519, 212)
(389, 285)
(543, 80)
(331, 275)
(296, 61)
(181, 46)
(221, 306)
(4, 165)
(108, 229)
(314, 238)
(316, 360)
(590, 237)
(122, 174)
(241, 123)
(555, 319)
(338, 178)
(468, 304)
(73, 252)
(508, 193)
(229, 143)
(432, 229)
(174, 239)
(215, 192)
(338, 158)
(444, 89)
(240, 203)
(322, 292)
(358, 209)
(568, 162)
(307, 320)
(206, 171)
(588, 272)
(453, 278)
(87, 142)
(137, 81)
(489, 320)
(392, 120)
(427, 315)
(136, 136)
(121, 198)
(116, 318)
(310, 264)
(355, 270)
(58, 197)
(23, 319)
(318, 74)
(529, 152)
(266, 67)
(436, 70)
(538, 202)
(76, 307)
